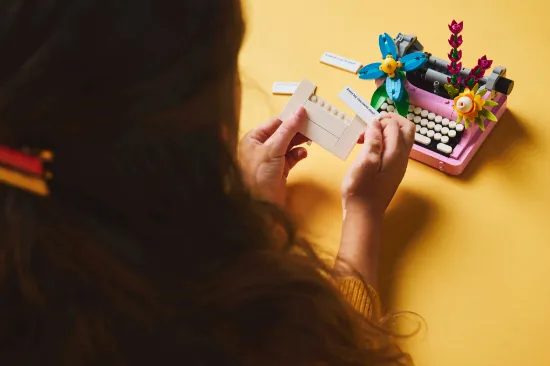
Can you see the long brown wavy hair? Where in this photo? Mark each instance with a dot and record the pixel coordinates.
(149, 250)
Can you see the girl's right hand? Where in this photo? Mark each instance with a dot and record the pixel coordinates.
(375, 175)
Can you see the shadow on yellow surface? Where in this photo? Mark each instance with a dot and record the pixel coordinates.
(505, 144)
(403, 224)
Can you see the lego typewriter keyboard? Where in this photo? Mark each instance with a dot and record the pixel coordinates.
(433, 132)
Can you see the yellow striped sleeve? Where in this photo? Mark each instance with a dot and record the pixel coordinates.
(361, 296)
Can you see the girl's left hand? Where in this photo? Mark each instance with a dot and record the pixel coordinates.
(269, 152)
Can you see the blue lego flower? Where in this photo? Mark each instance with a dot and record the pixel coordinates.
(393, 67)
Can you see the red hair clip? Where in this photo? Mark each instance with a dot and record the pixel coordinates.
(24, 170)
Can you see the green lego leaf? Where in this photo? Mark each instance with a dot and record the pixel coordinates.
(379, 96)
(480, 124)
(490, 103)
(401, 75)
(402, 105)
(476, 88)
(483, 92)
(467, 122)
(487, 114)
(460, 118)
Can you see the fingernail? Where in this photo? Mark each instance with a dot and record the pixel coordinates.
(309, 143)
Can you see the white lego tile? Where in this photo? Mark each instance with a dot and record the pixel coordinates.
(284, 88)
(340, 62)
(298, 99)
(325, 118)
(348, 141)
(358, 105)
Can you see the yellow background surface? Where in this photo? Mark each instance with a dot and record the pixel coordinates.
(470, 254)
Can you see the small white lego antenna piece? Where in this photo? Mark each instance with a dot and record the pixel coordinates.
(284, 88)
(340, 62)
(357, 104)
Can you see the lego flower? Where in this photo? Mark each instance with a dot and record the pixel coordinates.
(455, 27)
(478, 72)
(484, 63)
(455, 55)
(470, 106)
(393, 67)
(455, 41)
(454, 68)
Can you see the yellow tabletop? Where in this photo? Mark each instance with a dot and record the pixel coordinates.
(470, 254)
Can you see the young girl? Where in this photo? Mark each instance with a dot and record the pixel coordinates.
(129, 235)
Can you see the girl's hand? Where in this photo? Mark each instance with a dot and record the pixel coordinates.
(373, 178)
(269, 152)
(368, 188)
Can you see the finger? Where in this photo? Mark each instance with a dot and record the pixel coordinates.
(299, 139)
(265, 130)
(279, 142)
(295, 155)
(374, 144)
(408, 129)
(392, 133)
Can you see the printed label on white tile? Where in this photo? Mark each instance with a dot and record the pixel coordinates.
(340, 62)
(284, 88)
(358, 104)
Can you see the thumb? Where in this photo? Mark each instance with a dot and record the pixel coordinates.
(279, 142)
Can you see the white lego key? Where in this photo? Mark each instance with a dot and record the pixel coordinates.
(358, 105)
(340, 62)
(284, 88)
(422, 139)
(327, 126)
(444, 148)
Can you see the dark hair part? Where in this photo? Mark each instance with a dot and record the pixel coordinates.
(150, 249)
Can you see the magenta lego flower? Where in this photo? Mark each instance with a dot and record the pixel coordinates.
(455, 41)
(457, 82)
(454, 68)
(484, 63)
(455, 55)
(477, 72)
(455, 27)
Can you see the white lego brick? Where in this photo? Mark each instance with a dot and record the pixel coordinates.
(319, 135)
(325, 119)
(348, 141)
(298, 99)
(284, 88)
(327, 126)
(340, 62)
(358, 105)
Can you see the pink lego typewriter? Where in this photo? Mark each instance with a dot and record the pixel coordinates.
(454, 108)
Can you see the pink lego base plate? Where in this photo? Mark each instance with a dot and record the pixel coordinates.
(471, 140)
